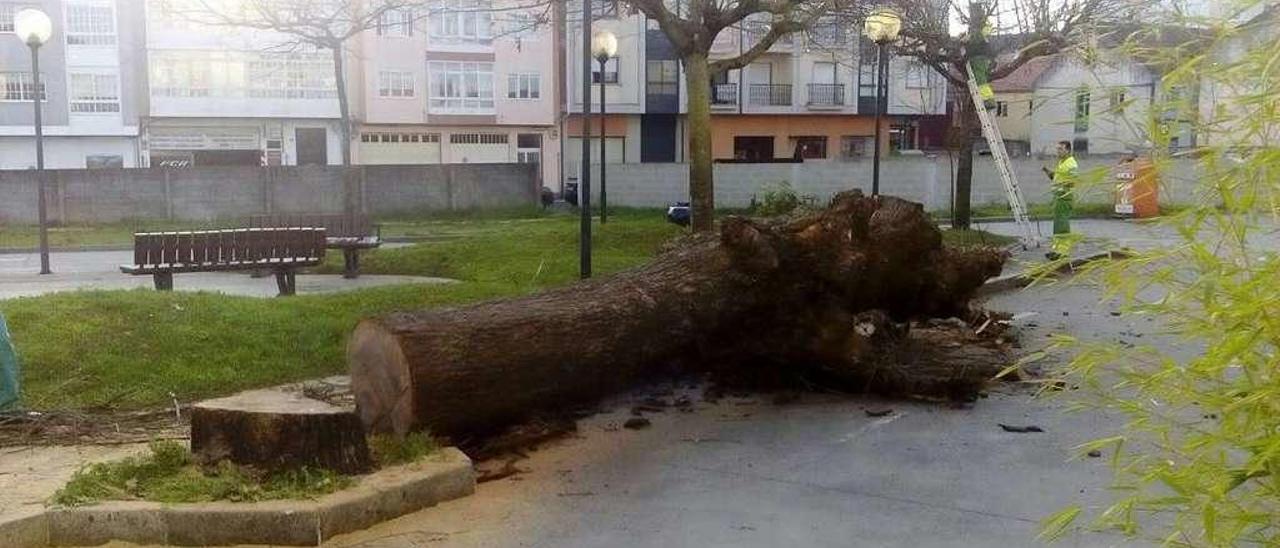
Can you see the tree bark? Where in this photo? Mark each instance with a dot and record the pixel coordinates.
(963, 199)
(754, 299)
(702, 196)
(344, 102)
(273, 430)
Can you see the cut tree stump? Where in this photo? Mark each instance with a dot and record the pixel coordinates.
(759, 297)
(272, 430)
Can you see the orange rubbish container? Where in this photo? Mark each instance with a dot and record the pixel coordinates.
(1137, 189)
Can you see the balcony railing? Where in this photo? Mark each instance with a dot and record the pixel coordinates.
(826, 95)
(724, 95)
(773, 95)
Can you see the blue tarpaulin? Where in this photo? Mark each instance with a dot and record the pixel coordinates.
(8, 368)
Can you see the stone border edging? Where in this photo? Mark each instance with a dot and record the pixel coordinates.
(1022, 279)
(380, 496)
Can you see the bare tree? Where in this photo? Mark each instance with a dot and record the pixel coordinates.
(320, 24)
(1009, 33)
(692, 27)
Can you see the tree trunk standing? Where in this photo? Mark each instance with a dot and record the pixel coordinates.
(701, 184)
(344, 104)
(961, 141)
(756, 299)
(349, 183)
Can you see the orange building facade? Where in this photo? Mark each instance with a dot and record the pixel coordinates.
(762, 137)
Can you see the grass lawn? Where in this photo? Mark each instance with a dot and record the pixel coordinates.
(142, 348)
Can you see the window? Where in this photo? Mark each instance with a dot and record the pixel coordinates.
(395, 83)
(828, 32)
(18, 86)
(90, 24)
(917, 74)
(463, 21)
(610, 71)
(663, 77)
(461, 88)
(399, 137)
(291, 76)
(396, 23)
(604, 8)
(1002, 109)
(1117, 99)
(478, 138)
(522, 26)
(1083, 99)
(104, 161)
(529, 148)
(94, 93)
(529, 140)
(853, 147)
(7, 12)
(810, 147)
(526, 85)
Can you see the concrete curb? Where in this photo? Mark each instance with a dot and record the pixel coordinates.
(1022, 279)
(380, 496)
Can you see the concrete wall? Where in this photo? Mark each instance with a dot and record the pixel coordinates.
(919, 178)
(203, 194)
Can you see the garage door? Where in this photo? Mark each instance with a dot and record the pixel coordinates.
(480, 148)
(381, 148)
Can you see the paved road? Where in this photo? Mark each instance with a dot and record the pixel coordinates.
(100, 270)
(816, 473)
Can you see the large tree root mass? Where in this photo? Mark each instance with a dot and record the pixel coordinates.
(832, 293)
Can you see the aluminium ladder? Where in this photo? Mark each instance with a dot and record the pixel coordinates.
(995, 141)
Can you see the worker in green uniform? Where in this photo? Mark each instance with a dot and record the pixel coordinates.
(1062, 179)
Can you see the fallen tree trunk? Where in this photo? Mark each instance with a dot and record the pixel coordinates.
(781, 294)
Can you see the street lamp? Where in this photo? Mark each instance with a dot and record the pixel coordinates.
(584, 175)
(604, 45)
(34, 27)
(881, 27)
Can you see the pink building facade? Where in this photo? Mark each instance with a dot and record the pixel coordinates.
(469, 82)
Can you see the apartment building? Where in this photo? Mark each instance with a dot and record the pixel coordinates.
(92, 94)
(471, 81)
(812, 96)
(234, 96)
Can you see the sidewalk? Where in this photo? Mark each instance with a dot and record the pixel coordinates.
(100, 270)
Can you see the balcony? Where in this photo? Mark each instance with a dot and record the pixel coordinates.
(769, 95)
(724, 95)
(826, 95)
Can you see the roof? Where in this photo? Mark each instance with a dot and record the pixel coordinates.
(1026, 76)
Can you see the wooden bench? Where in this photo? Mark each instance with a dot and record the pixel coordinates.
(280, 250)
(350, 233)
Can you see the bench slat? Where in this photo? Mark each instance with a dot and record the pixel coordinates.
(237, 249)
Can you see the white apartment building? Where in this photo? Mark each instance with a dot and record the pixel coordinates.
(91, 88)
(235, 96)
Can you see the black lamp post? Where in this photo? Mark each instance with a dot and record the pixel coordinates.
(604, 45)
(35, 28)
(881, 27)
(584, 175)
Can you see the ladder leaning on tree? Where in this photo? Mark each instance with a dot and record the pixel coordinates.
(995, 141)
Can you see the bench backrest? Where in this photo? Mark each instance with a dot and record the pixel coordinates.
(226, 246)
(339, 225)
